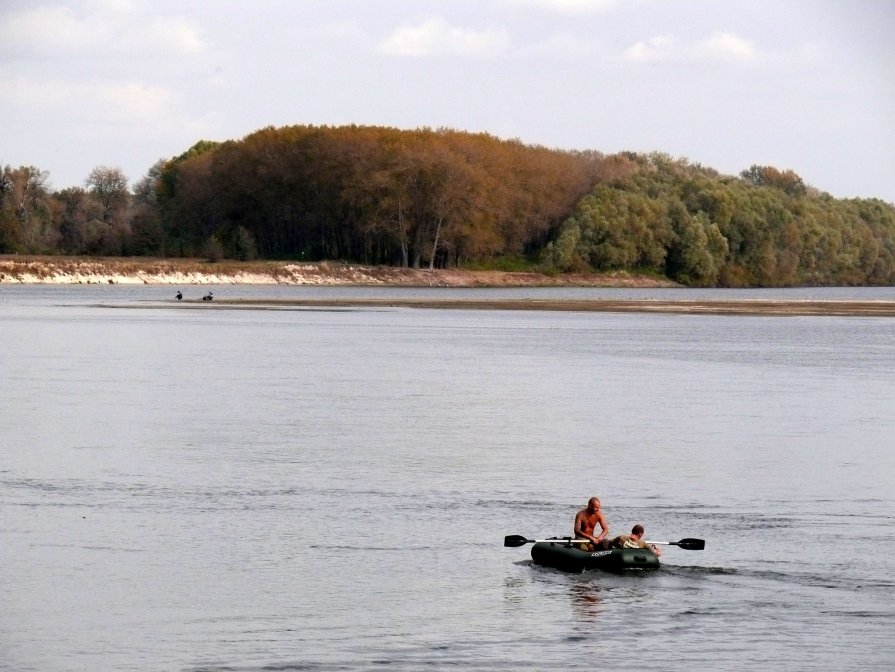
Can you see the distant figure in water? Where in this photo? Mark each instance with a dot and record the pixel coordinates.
(179, 295)
(208, 297)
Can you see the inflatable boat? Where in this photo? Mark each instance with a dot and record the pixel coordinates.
(560, 554)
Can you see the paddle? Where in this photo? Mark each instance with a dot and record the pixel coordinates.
(687, 544)
(514, 540)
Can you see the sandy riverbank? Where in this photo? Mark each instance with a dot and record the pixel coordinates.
(70, 270)
(184, 272)
(745, 307)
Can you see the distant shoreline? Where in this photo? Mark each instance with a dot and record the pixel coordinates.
(184, 272)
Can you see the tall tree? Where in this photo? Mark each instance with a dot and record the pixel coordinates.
(147, 234)
(27, 224)
(109, 187)
(74, 210)
(9, 229)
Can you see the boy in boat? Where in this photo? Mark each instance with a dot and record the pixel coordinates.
(633, 540)
(585, 524)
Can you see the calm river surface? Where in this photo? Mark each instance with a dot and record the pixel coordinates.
(203, 488)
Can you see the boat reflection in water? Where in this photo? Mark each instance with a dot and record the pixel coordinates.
(587, 599)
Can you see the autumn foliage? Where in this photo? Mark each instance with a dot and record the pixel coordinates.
(373, 195)
(442, 198)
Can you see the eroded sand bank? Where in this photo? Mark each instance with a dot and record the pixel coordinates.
(67, 270)
(184, 272)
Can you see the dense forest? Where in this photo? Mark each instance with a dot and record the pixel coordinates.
(442, 198)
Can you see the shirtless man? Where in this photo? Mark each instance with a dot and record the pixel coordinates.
(585, 524)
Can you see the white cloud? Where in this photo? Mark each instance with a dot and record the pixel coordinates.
(114, 5)
(59, 31)
(562, 46)
(345, 30)
(176, 33)
(23, 92)
(568, 6)
(727, 45)
(720, 45)
(46, 28)
(435, 37)
(655, 49)
(129, 102)
(135, 101)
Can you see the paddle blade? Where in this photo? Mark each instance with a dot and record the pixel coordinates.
(691, 544)
(514, 540)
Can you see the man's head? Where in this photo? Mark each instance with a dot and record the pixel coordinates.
(637, 531)
(593, 504)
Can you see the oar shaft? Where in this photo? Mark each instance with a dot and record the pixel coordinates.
(686, 544)
(515, 540)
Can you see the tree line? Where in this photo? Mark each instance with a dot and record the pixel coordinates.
(763, 228)
(442, 198)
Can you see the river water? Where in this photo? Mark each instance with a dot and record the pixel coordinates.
(205, 488)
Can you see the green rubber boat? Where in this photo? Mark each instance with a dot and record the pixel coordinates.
(560, 554)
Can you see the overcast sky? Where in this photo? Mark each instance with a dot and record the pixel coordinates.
(807, 85)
